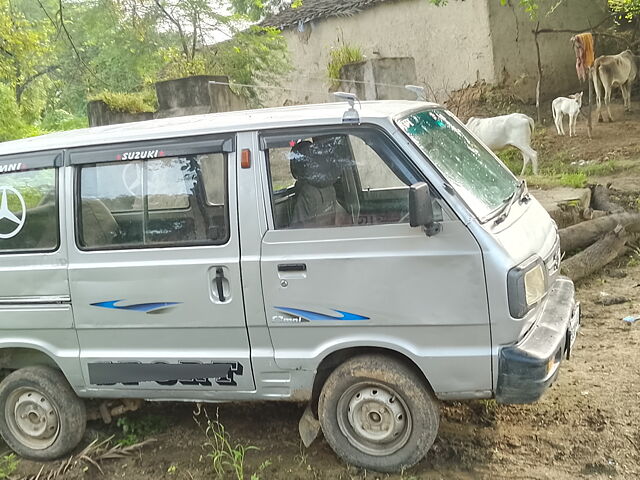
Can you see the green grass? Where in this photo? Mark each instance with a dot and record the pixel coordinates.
(137, 428)
(227, 457)
(338, 58)
(128, 102)
(8, 465)
(557, 171)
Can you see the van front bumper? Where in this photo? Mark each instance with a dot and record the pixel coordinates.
(528, 368)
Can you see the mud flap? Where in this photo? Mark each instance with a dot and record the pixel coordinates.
(309, 427)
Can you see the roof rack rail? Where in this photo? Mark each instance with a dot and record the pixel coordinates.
(420, 92)
(351, 115)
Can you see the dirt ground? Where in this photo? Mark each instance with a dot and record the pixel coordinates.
(586, 426)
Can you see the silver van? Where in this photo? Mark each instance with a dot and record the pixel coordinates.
(369, 261)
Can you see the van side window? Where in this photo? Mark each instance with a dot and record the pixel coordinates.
(337, 179)
(29, 211)
(169, 201)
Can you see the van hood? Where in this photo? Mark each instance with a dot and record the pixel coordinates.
(528, 231)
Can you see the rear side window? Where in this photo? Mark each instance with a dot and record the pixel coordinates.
(29, 211)
(172, 201)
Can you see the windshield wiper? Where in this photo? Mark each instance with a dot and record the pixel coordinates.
(517, 196)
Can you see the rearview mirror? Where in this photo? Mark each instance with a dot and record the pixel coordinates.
(421, 209)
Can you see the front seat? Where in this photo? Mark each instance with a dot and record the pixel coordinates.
(315, 200)
(99, 228)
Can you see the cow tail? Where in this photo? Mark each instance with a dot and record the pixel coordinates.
(597, 81)
(532, 124)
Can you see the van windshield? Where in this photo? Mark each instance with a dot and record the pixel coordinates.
(483, 182)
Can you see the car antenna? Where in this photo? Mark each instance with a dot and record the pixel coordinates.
(351, 115)
(420, 92)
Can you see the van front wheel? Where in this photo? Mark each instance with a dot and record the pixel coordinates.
(377, 413)
(41, 418)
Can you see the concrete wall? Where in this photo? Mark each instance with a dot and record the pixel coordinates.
(371, 79)
(451, 46)
(514, 50)
(176, 98)
(100, 114)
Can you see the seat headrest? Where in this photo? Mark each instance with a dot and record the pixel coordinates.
(313, 164)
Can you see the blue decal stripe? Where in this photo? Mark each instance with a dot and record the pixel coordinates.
(138, 307)
(314, 316)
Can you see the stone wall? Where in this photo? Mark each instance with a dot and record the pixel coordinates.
(176, 98)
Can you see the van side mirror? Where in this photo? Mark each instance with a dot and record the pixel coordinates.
(421, 209)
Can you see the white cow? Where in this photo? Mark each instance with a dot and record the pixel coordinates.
(566, 106)
(614, 70)
(513, 130)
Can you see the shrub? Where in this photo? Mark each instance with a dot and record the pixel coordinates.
(128, 102)
(12, 124)
(338, 58)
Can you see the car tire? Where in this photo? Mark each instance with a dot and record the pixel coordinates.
(41, 417)
(378, 413)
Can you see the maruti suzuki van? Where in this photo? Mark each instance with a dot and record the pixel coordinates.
(369, 260)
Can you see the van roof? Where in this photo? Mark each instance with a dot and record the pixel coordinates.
(326, 113)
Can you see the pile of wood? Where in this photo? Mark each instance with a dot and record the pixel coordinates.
(599, 236)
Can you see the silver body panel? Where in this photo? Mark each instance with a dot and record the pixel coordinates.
(440, 301)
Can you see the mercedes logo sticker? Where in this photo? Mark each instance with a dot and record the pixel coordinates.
(7, 214)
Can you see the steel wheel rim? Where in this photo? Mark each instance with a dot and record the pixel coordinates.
(32, 418)
(374, 418)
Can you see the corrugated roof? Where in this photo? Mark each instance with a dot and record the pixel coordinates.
(317, 9)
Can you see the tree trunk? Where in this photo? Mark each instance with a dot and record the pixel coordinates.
(600, 200)
(596, 256)
(538, 83)
(590, 80)
(581, 235)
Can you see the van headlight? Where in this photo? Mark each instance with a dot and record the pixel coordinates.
(526, 286)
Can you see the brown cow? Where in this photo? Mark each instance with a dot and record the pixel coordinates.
(611, 71)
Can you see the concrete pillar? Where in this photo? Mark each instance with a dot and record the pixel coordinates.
(380, 78)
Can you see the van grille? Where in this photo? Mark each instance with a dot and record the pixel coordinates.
(552, 262)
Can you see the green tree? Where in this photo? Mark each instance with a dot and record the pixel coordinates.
(208, 40)
(24, 61)
(629, 8)
(123, 46)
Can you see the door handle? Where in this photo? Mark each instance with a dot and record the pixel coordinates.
(292, 267)
(219, 285)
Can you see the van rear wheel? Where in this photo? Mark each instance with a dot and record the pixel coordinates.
(377, 413)
(41, 418)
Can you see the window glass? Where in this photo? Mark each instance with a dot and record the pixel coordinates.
(481, 180)
(161, 202)
(213, 171)
(339, 179)
(373, 173)
(28, 211)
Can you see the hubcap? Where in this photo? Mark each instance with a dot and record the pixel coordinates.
(32, 418)
(374, 418)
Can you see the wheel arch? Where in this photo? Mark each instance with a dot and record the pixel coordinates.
(18, 352)
(337, 357)
(13, 358)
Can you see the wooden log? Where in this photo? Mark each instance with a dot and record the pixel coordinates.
(596, 256)
(581, 235)
(570, 215)
(598, 214)
(600, 200)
